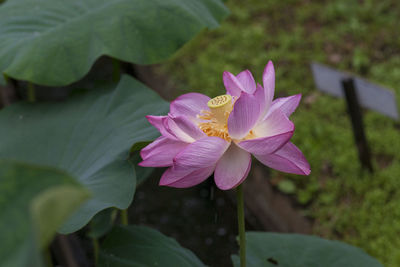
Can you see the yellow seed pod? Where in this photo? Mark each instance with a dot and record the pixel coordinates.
(220, 107)
(219, 101)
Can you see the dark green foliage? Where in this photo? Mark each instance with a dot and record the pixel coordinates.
(143, 246)
(34, 203)
(55, 42)
(294, 250)
(88, 136)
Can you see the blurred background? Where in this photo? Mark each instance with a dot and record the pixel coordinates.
(359, 36)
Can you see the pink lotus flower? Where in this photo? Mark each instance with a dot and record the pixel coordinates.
(201, 136)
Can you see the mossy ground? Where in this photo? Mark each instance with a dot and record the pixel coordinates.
(358, 36)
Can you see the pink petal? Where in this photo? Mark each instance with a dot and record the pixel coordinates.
(287, 159)
(203, 153)
(232, 168)
(232, 84)
(266, 145)
(183, 179)
(269, 82)
(161, 152)
(244, 116)
(190, 105)
(247, 81)
(262, 101)
(275, 123)
(287, 104)
(144, 153)
(183, 129)
(156, 121)
(171, 175)
(159, 123)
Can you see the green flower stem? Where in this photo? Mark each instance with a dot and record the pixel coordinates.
(241, 224)
(124, 217)
(6, 78)
(47, 257)
(2, 102)
(116, 73)
(96, 248)
(31, 92)
(3, 98)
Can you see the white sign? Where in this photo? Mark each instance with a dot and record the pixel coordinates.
(369, 95)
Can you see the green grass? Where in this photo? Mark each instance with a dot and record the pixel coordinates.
(357, 36)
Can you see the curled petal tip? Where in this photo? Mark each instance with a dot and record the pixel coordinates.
(232, 84)
(306, 169)
(304, 172)
(288, 159)
(269, 69)
(269, 66)
(247, 81)
(298, 97)
(142, 155)
(268, 79)
(162, 183)
(226, 75)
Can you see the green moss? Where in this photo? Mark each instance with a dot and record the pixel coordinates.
(352, 35)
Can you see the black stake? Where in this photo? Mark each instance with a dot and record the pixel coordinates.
(357, 123)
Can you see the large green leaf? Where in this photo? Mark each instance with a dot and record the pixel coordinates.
(55, 42)
(89, 137)
(34, 202)
(143, 246)
(295, 250)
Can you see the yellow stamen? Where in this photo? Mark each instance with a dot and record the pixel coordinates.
(217, 117)
(250, 135)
